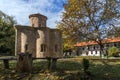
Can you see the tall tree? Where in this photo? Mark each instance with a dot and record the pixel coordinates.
(89, 19)
(7, 34)
(114, 32)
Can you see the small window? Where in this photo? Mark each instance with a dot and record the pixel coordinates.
(115, 44)
(56, 48)
(83, 48)
(97, 47)
(43, 48)
(93, 47)
(26, 47)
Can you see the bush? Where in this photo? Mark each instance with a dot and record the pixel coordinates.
(113, 51)
(86, 64)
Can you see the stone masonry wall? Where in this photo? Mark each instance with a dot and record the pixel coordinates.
(35, 37)
(31, 38)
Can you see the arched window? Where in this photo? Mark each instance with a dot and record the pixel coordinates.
(43, 47)
(56, 48)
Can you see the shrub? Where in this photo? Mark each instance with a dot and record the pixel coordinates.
(113, 51)
(85, 63)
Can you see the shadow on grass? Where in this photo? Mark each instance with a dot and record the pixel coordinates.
(69, 65)
(66, 70)
(61, 65)
(105, 72)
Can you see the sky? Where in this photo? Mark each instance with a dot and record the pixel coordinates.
(21, 9)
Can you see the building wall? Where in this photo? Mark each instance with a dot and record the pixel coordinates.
(17, 41)
(34, 22)
(26, 37)
(38, 39)
(42, 40)
(94, 50)
(55, 43)
(35, 37)
(37, 20)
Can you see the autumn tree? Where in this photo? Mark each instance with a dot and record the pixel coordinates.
(7, 34)
(85, 20)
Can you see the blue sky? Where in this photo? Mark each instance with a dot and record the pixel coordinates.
(21, 9)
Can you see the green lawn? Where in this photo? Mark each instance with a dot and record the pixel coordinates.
(67, 69)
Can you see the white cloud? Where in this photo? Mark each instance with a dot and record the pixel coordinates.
(21, 9)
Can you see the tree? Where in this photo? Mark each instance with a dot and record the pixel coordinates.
(113, 51)
(7, 34)
(68, 44)
(114, 32)
(85, 20)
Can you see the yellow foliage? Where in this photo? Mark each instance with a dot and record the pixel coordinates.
(87, 19)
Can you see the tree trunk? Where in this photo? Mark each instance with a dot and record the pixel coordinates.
(24, 62)
(101, 50)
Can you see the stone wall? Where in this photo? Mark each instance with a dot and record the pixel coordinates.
(26, 36)
(35, 37)
(37, 20)
(38, 39)
(55, 41)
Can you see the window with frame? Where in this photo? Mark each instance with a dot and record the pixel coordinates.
(43, 47)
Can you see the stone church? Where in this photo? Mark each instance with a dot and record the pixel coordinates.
(38, 39)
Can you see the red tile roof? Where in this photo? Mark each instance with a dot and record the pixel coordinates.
(93, 42)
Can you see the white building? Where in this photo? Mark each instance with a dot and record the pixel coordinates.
(92, 48)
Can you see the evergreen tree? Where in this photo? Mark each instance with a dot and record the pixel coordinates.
(7, 34)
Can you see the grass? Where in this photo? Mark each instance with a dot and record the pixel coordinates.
(67, 69)
(109, 71)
